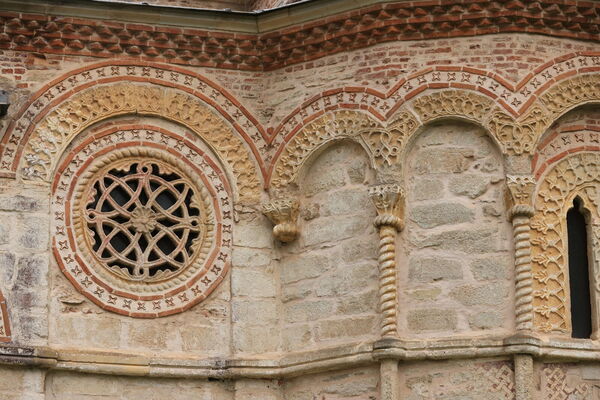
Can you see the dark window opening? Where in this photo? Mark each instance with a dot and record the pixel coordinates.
(579, 279)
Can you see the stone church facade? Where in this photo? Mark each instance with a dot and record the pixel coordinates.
(314, 200)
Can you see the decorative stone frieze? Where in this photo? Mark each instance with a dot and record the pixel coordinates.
(283, 214)
(389, 202)
(142, 222)
(519, 194)
(575, 175)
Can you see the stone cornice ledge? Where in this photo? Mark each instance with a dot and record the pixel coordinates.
(121, 363)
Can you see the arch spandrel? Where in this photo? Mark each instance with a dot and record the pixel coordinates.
(576, 175)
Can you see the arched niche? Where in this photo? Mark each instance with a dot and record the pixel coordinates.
(457, 275)
(329, 281)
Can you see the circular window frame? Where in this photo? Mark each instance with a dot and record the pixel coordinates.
(71, 244)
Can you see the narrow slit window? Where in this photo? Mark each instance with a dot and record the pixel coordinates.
(581, 309)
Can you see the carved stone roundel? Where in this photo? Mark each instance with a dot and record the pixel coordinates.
(143, 219)
(141, 230)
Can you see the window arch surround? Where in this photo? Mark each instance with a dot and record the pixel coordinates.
(576, 176)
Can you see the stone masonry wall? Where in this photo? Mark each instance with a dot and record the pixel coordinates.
(458, 277)
(329, 277)
(24, 260)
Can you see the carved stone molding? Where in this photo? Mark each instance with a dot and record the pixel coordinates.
(389, 202)
(141, 228)
(453, 103)
(56, 130)
(283, 214)
(576, 175)
(5, 333)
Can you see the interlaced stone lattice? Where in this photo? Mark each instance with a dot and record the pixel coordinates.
(144, 220)
(141, 230)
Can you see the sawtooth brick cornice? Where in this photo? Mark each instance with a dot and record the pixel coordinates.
(326, 35)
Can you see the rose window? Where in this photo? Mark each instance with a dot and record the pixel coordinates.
(142, 229)
(144, 220)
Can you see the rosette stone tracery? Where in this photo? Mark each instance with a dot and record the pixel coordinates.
(144, 220)
(139, 228)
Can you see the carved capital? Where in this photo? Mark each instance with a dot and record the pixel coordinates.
(519, 195)
(283, 214)
(389, 202)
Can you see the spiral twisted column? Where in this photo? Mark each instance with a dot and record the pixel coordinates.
(520, 190)
(389, 202)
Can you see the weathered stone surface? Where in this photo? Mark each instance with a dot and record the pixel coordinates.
(424, 294)
(492, 294)
(23, 203)
(431, 320)
(469, 185)
(490, 268)
(253, 282)
(349, 327)
(332, 229)
(428, 188)
(350, 279)
(303, 311)
(443, 161)
(35, 233)
(432, 215)
(304, 267)
(297, 336)
(257, 312)
(348, 201)
(486, 320)
(249, 257)
(431, 269)
(468, 241)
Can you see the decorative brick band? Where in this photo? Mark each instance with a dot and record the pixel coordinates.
(348, 31)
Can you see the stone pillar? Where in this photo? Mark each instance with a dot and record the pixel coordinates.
(520, 191)
(389, 201)
(523, 377)
(284, 215)
(389, 380)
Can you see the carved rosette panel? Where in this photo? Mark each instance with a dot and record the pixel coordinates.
(577, 175)
(140, 228)
(4, 323)
(54, 132)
